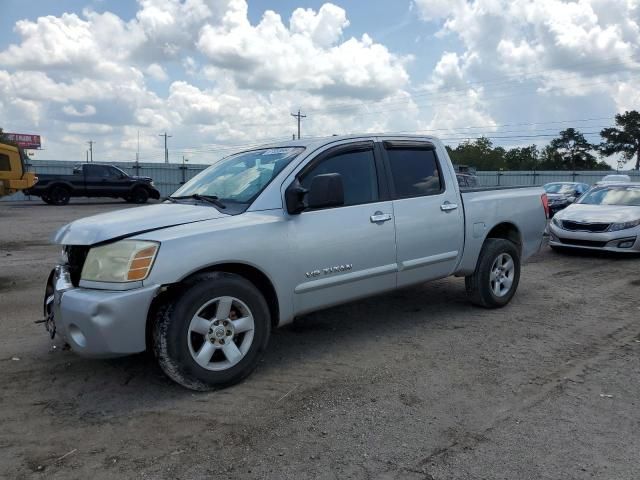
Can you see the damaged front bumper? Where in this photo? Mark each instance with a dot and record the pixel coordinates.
(97, 323)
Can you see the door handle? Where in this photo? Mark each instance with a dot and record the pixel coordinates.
(448, 206)
(380, 217)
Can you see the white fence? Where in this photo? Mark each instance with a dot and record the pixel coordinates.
(168, 177)
(533, 177)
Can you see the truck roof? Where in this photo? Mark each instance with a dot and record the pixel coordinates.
(320, 141)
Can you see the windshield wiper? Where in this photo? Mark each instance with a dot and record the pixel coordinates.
(212, 199)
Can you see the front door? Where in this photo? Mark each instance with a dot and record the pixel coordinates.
(428, 217)
(346, 252)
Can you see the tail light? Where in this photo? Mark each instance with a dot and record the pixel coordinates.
(545, 204)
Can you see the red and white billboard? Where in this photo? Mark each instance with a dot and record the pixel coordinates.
(23, 140)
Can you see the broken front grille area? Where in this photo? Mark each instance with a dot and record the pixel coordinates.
(76, 256)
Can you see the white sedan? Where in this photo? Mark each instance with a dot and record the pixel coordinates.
(607, 217)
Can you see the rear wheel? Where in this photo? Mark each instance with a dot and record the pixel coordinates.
(58, 195)
(497, 274)
(139, 195)
(214, 333)
(46, 199)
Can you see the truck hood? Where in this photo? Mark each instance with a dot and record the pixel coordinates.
(578, 212)
(132, 221)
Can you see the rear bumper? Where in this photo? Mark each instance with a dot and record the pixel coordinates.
(624, 241)
(99, 323)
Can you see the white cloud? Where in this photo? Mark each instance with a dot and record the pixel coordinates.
(306, 56)
(537, 53)
(72, 111)
(88, 74)
(156, 72)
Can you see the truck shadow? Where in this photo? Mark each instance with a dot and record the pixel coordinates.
(93, 390)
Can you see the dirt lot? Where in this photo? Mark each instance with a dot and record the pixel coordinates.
(414, 384)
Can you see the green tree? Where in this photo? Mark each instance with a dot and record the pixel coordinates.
(625, 139)
(575, 151)
(524, 158)
(478, 153)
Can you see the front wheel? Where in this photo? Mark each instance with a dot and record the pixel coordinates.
(497, 274)
(139, 195)
(214, 333)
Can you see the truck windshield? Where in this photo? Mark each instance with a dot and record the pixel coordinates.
(239, 178)
(626, 196)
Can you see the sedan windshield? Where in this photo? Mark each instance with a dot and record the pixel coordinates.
(560, 187)
(612, 195)
(239, 178)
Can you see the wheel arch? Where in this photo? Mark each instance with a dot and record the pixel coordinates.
(249, 272)
(54, 184)
(506, 231)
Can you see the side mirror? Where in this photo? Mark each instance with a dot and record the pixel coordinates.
(294, 197)
(326, 191)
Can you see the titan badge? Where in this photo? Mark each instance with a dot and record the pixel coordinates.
(329, 270)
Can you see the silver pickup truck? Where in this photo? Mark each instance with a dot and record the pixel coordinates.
(272, 233)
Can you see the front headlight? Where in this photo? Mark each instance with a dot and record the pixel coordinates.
(623, 226)
(556, 222)
(123, 261)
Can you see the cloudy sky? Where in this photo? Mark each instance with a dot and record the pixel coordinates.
(216, 74)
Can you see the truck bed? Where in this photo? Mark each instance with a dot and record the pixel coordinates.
(517, 205)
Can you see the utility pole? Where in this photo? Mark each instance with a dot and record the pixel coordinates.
(299, 117)
(87, 152)
(166, 151)
(91, 142)
(138, 155)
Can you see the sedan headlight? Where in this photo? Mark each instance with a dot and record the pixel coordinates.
(123, 261)
(623, 226)
(556, 222)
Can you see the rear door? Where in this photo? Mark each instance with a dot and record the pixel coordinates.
(428, 217)
(345, 252)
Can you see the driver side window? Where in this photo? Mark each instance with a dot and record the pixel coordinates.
(358, 172)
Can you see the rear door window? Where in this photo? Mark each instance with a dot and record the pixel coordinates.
(415, 172)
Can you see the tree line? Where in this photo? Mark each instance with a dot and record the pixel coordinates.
(570, 150)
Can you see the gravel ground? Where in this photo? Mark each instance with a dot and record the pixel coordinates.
(413, 384)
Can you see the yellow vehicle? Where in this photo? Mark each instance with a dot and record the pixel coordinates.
(13, 174)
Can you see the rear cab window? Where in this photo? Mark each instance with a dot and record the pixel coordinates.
(414, 169)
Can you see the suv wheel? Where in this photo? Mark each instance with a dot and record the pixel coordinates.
(139, 195)
(496, 278)
(214, 333)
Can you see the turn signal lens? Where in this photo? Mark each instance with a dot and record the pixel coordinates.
(141, 263)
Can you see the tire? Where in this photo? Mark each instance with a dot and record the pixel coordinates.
(46, 199)
(487, 286)
(58, 195)
(225, 305)
(139, 195)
